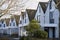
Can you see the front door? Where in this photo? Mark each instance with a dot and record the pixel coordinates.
(47, 30)
(50, 31)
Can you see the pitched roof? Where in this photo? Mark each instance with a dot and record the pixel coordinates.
(31, 14)
(56, 1)
(44, 6)
(17, 19)
(7, 21)
(23, 13)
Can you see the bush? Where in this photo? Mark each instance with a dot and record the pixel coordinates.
(24, 38)
(40, 34)
(33, 30)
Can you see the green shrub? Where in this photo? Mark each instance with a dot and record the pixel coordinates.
(24, 38)
(40, 34)
(34, 30)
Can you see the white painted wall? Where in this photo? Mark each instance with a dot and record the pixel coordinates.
(46, 19)
(41, 14)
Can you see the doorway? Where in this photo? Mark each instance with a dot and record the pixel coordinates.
(50, 31)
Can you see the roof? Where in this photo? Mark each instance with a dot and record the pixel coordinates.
(31, 14)
(17, 19)
(56, 1)
(7, 21)
(44, 6)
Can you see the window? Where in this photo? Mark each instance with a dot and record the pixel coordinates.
(51, 20)
(38, 18)
(25, 20)
(12, 20)
(4, 25)
(20, 22)
(39, 10)
(25, 14)
(25, 17)
(2, 22)
(44, 19)
(10, 24)
(51, 15)
(13, 24)
(0, 25)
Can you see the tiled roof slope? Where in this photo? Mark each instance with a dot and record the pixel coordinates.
(31, 13)
(17, 19)
(7, 21)
(43, 5)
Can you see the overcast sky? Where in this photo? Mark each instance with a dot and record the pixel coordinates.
(30, 4)
(43, 0)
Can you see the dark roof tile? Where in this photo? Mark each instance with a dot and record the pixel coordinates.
(31, 13)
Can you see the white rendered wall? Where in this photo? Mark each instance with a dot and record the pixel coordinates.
(41, 14)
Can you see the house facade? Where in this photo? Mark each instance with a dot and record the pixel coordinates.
(46, 14)
(49, 20)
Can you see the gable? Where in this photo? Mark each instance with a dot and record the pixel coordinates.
(2, 22)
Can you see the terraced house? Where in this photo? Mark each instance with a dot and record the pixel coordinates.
(45, 13)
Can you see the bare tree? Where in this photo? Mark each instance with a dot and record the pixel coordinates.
(57, 4)
(5, 5)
